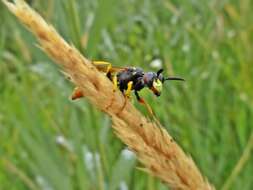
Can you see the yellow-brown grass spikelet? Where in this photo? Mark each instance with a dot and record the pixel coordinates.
(154, 147)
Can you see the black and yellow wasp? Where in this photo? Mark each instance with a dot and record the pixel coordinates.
(128, 79)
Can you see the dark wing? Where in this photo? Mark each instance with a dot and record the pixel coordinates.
(103, 67)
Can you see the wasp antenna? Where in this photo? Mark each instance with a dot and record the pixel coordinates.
(175, 78)
(159, 72)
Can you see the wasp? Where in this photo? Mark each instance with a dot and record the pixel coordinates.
(128, 79)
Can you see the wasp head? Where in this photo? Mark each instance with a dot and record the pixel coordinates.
(155, 81)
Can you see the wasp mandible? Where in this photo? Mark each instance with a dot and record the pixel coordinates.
(128, 79)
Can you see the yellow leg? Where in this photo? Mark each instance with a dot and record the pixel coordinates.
(109, 67)
(129, 88)
(103, 65)
(127, 95)
(115, 82)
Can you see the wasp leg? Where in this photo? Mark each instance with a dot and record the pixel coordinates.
(77, 93)
(108, 67)
(100, 63)
(108, 71)
(129, 88)
(142, 101)
(127, 95)
(115, 83)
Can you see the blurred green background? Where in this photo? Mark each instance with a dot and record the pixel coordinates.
(51, 143)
